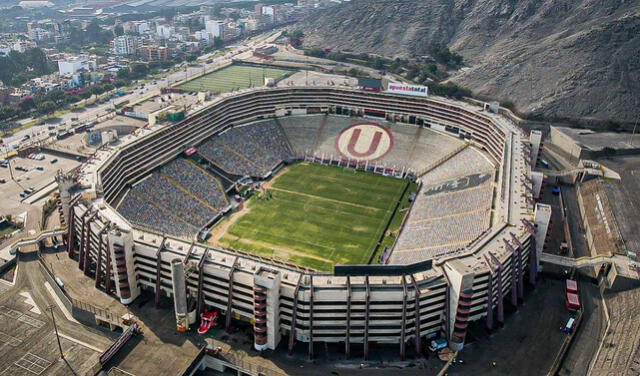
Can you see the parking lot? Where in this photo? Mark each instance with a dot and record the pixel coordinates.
(11, 202)
(28, 344)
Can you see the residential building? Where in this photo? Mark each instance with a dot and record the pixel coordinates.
(154, 53)
(215, 28)
(164, 31)
(76, 64)
(124, 45)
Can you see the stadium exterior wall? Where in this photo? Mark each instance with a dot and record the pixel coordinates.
(313, 307)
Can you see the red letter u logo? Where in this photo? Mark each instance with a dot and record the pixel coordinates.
(373, 146)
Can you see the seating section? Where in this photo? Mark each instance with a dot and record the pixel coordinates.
(179, 199)
(197, 181)
(444, 220)
(140, 210)
(452, 203)
(302, 132)
(413, 147)
(467, 162)
(251, 150)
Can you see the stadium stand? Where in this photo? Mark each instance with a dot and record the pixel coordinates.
(452, 203)
(467, 162)
(445, 218)
(417, 148)
(179, 199)
(252, 150)
(197, 181)
(300, 130)
(137, 208)
(413, 147)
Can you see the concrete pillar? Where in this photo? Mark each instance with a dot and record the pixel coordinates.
(230, 295)
(542, 218)
(267, 285)
(499, 277)
(101, 251)
(108, 273)
(83, 220)
(158, 291)
(518, 256)
(311, 317)
(403, 324)
(347, 338)
(535, 138)
(417, 329)
(294, 316)
(179, 294)
(367, 298)
(200, 298)
(514, 281)
(489, 320)
(533, 262)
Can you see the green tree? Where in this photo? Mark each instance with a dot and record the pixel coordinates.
(7, 112)
(118, 30)
(27, 104)
(378, 63)
(96, 90)
(218, 43)
(46, 107)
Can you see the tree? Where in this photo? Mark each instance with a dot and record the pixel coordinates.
(7, 112)
(46, 107)
(378, 63)
(56, 96)
(139, 70)
(96, 90)
(27, 104)
(118, 30)
(191, 57)
(218, 43)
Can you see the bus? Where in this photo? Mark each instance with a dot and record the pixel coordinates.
(572, 301)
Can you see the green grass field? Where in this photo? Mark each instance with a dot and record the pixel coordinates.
(318, 216)
(232, 78)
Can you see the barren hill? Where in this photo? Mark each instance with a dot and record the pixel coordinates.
(558, 58)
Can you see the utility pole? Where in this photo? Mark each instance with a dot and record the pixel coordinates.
(55, 328)
(10, 169)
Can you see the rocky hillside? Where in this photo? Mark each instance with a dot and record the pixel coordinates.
(557, 58)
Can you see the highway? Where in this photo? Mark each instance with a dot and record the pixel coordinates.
(151, 85)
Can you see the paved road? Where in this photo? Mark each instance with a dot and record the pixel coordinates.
(591, 331)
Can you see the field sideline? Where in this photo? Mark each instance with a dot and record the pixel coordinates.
(318, 216)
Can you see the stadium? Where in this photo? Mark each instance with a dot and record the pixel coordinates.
(317, 215)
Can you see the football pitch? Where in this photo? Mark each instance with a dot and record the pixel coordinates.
(317, 216)
(232, 78)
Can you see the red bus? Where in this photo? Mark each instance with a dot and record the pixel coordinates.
(572, 302)
(572, 286)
